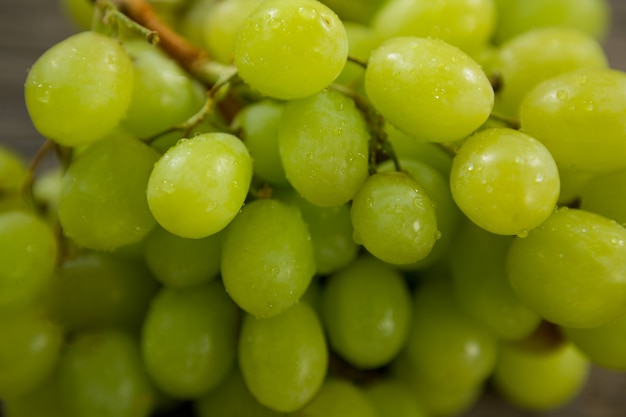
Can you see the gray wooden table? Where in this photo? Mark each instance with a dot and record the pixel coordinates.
(29, 27)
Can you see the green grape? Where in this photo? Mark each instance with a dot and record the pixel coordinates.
(419, 85)
(100, 290)
(284, 358)
(290, 49)
(505, 181)
(518, 16)
(359, 11)
(526, 60)
(232, 399)
(572, 269)
(47, 192)
(482, 287)
(29, 352)
(323, 143)
(78, 12)
(179, 262)
(42, 401)
(604, 346)
(331, 233)
(566, 113)
(79, 89)
(467, 24)
(28, 255)
(163, 95)
(13, 172)
(192, 21)
(101, 374)
(367, 313)
(103, 199)
(446, 348)
(540, 381)
(258, 123)
(199, 185)
(338, 398)
(267, 258)
(222, 23)
(394, 218)
(391, 398)
(188, 340)
(362, 40)
(606, 195)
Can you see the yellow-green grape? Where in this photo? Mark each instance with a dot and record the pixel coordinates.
(481, 285)
(572, 269)
(362, 40)
(338, 398)
(192, 21)
(505, 181)
(47, 192)
(606, 195)
(566, 114)
(102, 204)
(284, 358)
(199, 185)
(29, 351)
(102, 374)
(43, 401)
(78, 12)
(394, 218)
(518, 16)
(526, 60)
(359, 11)
(367, 313)
(163, 94)
(291, 49)
(467, 24)
(28, 255)
(188, 339)
(13, 172)
(267, 258)
(323, 143)
(221, 26)
(420, 85)
(79, 89)
(391, 398)
(540, 381)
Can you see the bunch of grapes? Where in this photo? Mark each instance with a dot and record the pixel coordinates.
(370, 208)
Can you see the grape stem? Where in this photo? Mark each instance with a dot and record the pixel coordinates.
(357, 61)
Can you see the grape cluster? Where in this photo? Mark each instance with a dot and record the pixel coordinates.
(337, 208)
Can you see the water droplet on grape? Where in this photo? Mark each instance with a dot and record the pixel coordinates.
(307, 12)
(523, 233)
(42, 92)
(539, 177)
(470, 167)
(562, 95)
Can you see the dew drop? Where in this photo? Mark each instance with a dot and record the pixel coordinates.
(562, 95)
(470, 167)
(42, 93)
(539, 177)
(523, 233)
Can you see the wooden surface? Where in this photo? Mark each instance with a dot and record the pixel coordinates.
(29, 27)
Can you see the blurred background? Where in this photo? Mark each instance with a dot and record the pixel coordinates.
(29, 27)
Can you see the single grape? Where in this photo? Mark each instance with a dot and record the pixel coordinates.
(12, 172)
(394, 218)
(359, 11)
(339, 398)
(200, 184)
(323, 144)
(362, 40)
(606, 195)
(79, 89)
(291, 49)
(267, 258)
(43, 401)
(283, 359)
(420, 85)
(572, 269)
(78, 12)
(391, 398)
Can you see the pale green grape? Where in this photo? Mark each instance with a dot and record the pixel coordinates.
(47, 191)
(572, 269)
(568, 112)
(163, 94)
(323, 144)
(12, 172)
(283, 359)
(180, 262)
(29, 351)
(188, 340)
(42, 401)
(221, 26)
(505, 181)
(101, 374)
(102, 204)
(606, 195)
(362, 40)
(526, 60)
(482, 287)
(28, 255)
(79, 12)
(390, 398)
(192, 21)
(79, 89)
(367, 312)
(99, 290)
(291, 48)
(267, 258)
(420, 85)
(199, 185)
(338, 398)
(359, 11)
(394, 218)
(258, 123)
(467, 24)
(518, 16)
(540, 381)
